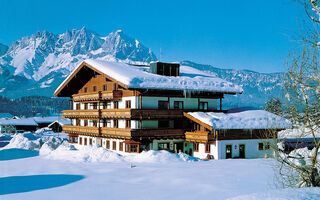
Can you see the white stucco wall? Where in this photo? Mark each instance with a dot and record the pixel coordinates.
(251, 148)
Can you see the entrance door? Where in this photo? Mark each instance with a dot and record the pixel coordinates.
(242, 151)
(178, 147)
(228, 151)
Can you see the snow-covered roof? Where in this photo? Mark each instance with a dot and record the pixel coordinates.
(45, 119)
(250, 119)
(139, 78)
(61, 121)
(19, 122)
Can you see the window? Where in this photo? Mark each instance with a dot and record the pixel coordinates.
(80, 140)
(134, 148)
(77, 122)
(95, 123)
(115, 123)
(109, 123)
(108, 144)
(207, 148)
(115, 86)
(107, 105)
(85, 122)
(94, 88)
(85, 90)
(94, 105)
(196, 147)
(128, 123)
(85, 141)
(78, 106)
(163, 124)
(163, 104)
(203, 105)
(178, 105)
(163, 146)
(104, 123)
(90, 141)
(86, 106)
(121, 146)
(115, 104)
(197, 126)
(260, 146)
(128, 104)
(267, 146)
(105, 87)
(114, 145)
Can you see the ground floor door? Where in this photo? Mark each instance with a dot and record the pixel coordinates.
(228, 151)
(178, 147)
(242, 151)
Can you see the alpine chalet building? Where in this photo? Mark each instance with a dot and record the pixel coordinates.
(128, 109)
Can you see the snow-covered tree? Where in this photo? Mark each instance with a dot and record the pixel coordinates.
(303, 94)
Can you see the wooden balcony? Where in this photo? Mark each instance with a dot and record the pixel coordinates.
(124, 132)
(81, 114)
(156, 114)
(124, 114)
(116, 132)
(81, 130)
(157, 133)
(98, 96)
(199, 136)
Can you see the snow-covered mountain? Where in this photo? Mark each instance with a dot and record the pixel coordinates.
(3, 49)
(37, 64)
(258, 87)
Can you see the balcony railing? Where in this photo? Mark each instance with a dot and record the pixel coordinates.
(125, 133)
(157, 133)
(116, 132)
(81, 129)
(199, 136)
(124, 113)
(81, 113)
(98, 96)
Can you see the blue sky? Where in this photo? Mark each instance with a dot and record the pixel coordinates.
(251, 34)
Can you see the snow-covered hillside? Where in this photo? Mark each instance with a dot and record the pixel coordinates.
(257, 87)
(39, 63)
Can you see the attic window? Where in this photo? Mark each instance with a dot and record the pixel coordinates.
(85, 90)
(94, 88)
(105, 87)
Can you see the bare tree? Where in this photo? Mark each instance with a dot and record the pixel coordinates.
(301, 168)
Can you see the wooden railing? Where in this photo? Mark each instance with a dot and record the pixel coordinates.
(80, 129)
(199, 136)
(80, 113)
(116, 132)
(157, 133)
(116, 113)
(125, 133)
(97, 96)
(126, 113)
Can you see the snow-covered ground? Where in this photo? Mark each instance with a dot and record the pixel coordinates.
(48, 167)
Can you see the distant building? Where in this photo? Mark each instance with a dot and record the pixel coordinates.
(45, 121)
(129, 109)
(17, 125)
(56, 126)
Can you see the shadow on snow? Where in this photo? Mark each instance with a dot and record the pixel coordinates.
(10, 154)
(18, 184)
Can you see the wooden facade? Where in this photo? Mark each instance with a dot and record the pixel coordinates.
(89, 85)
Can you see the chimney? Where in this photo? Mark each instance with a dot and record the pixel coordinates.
(165, 69)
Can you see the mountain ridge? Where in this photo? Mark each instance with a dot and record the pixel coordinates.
(37, 64)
